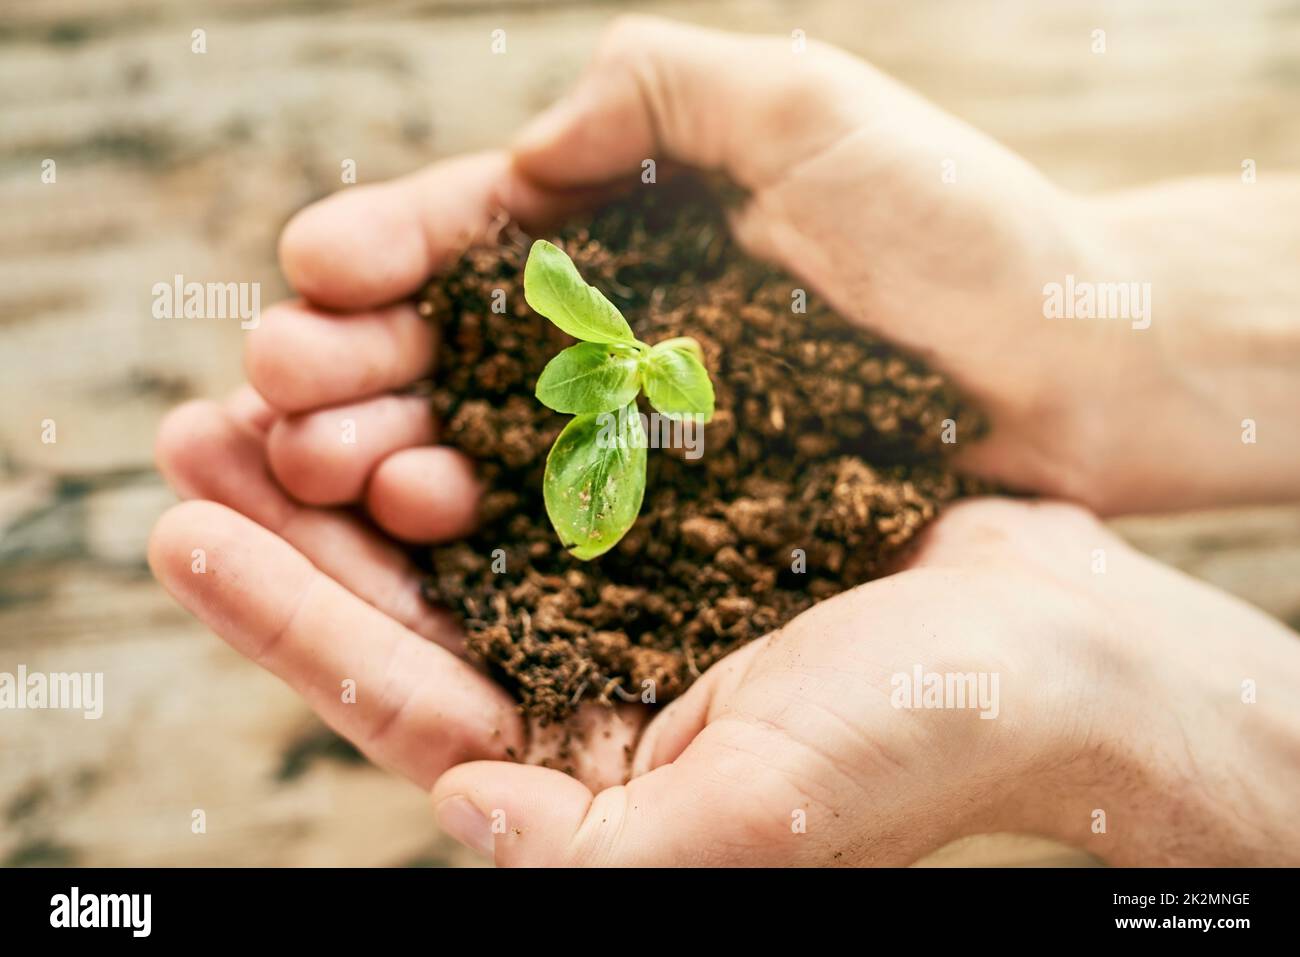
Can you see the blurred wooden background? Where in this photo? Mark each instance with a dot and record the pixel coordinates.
(170, 162)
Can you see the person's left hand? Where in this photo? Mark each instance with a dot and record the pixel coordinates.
(1114, 692)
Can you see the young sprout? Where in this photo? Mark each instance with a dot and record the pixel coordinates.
(595, 472)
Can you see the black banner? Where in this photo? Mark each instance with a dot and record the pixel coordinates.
(333, 906)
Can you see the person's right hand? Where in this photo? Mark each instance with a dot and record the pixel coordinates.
(845, 169)
(924, 230)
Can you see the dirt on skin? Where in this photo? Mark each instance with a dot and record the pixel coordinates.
(824, 459)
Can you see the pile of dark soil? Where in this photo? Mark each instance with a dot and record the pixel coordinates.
(823, 461)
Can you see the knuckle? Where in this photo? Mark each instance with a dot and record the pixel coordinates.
(598, 839)
(626, 33)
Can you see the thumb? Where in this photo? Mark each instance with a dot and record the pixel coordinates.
(683, 814)
(515, 814)
(748, 105)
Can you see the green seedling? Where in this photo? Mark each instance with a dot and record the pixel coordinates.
(595, 472)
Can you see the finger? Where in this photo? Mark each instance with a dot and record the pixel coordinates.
(716, 805)
(247, 407)
(204, 451)
(325, 457)
(1044, 532)
(370, 245)
(424, 495)
(593, 745)
(300, 358)
(406, 703)
(701, 97)
(681, 721)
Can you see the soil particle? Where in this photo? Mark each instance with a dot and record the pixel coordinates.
(823, 461)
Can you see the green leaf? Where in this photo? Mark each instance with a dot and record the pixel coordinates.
(676, 382)
(683, 342)
(595, 480)
(553, 287)
(590, 377)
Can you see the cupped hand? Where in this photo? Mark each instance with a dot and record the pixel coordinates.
(1101, 707)
(926, 231)
(1087, 692)
(906, 220)
(845, 170)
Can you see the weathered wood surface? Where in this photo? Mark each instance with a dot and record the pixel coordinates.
(170, 162)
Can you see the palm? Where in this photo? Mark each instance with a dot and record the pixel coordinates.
(801, 722)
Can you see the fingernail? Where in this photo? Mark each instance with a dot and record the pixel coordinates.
(546, 127)
(467, 824)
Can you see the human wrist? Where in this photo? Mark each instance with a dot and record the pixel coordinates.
(1184, 743)
(1222, 354)
(1029, 771)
